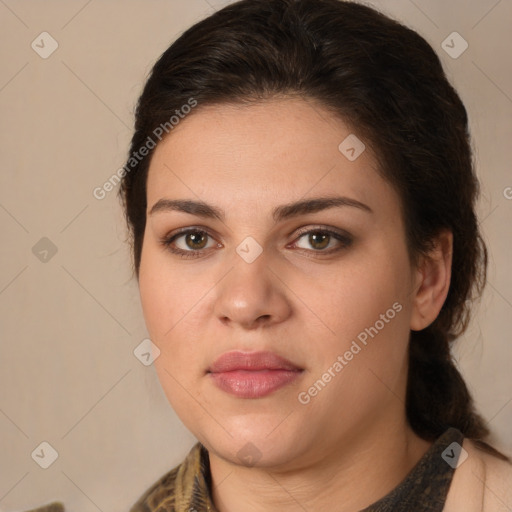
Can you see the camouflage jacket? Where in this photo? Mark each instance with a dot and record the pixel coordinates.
(187, 487)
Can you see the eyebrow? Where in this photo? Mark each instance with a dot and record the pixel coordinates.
(286, 211)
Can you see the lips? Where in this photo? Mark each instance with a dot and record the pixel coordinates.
(252, 374)
(254, 361)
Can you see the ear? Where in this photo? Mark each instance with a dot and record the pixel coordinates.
(432, 283)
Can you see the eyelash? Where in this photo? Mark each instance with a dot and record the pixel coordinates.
(345, 240)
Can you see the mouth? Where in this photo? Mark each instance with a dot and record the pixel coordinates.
(252, 374)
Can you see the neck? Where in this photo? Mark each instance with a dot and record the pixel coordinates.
(356, 474)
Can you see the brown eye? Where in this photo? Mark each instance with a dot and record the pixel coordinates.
(319, 240)
(188, 243)
(196, 240)
(322, 239)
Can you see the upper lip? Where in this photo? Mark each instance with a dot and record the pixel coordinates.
(236, 360)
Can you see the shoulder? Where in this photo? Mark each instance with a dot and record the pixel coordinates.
(163, 489)
(481, 483)
(56, 506)
(175, 487)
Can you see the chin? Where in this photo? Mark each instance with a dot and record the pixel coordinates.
(254, 441)
(256, 453)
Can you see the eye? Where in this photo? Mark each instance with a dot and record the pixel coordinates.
(324, 240)
(193, 242)
(189, 243)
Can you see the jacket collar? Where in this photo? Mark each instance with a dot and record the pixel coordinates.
(432, 473)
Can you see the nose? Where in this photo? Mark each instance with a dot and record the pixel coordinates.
(252, 295)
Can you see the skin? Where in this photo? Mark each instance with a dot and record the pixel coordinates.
(351, 443)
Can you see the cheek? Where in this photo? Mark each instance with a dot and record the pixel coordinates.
(164, 310)
(164, 293)
(172, 302)
(357, 294)
(154, 295)
(366, 304)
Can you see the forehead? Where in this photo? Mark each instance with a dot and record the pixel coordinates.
(274, 151)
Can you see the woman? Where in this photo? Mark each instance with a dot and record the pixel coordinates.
(300, 195)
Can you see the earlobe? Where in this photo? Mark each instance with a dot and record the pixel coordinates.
(433, 282)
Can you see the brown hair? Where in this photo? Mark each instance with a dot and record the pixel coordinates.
(386, 81)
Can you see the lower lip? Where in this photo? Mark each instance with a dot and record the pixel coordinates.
(253, 384)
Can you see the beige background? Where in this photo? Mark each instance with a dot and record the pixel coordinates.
(69, 325)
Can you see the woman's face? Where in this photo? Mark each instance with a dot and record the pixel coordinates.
(329, 289)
